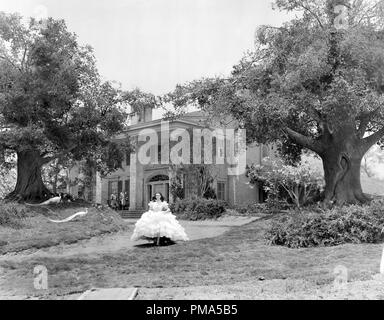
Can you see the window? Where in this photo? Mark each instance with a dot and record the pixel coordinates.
(214, 147)
(159, 153)
(221, 190)
(127, 190)
(188, 185)
(128, 158)
(119, 188)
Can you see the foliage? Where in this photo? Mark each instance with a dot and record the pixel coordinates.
(176, 188)
(52, 100)
(298, 184)
(200, 177)
(252, 208)
(11, 215)
(198, 208)
(289, 151)
(139, 100)
(350, 224)
(7, 181)
(307, 85)
(55, 173)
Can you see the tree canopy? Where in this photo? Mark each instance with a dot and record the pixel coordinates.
(309, 84)
(53, 102)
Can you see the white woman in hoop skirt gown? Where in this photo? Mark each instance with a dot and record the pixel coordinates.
(158, 222)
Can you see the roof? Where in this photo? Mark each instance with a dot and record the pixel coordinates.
(197, 113)
(195, 118)
(187, 120)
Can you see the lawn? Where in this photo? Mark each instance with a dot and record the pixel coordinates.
(37, 232)
(238, 256)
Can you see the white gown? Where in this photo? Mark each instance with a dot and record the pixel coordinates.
(158, 221)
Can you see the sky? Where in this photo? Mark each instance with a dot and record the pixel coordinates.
(155, 44)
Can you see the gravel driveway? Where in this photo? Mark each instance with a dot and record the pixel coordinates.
(121, 240)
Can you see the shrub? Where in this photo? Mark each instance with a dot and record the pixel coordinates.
(241, 209)
(252, 208)
(299, 185)
(349, 224)
(198, 209)
(11, 215)
(176, 188)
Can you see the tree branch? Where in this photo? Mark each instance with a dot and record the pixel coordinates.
(46, 160)
(303, 140)
(24, 55)
(300, 4)
(368, 114)
(363, 127)
(9, 61)
(372, 139)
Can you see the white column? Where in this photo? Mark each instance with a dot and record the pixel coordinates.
(98, 188)
(171, 176)
(132, 182)
(234, 181)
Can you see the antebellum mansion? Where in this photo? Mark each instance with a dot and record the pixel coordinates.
(138, 182)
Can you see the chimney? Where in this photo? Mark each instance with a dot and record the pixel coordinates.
(148, 114)
(142, 116)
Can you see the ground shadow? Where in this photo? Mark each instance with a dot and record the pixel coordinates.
(152, 245)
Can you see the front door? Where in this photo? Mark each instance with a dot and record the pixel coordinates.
(159, 188)
(159, 183)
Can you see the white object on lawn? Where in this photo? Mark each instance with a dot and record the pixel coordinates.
(53, 200)
(80, 213)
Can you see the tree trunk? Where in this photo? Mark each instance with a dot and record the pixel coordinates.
(29, 185)
(54, 184)
(342, 163)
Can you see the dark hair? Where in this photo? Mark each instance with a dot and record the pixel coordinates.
(161, 196)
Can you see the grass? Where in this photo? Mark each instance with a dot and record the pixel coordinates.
(240, 255)
(35, 231)
(237, 256)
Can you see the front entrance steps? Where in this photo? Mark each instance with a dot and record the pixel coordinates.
(131, 214)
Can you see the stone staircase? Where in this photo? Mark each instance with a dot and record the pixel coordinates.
(131, 214)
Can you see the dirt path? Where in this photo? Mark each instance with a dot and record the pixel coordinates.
(121, 240)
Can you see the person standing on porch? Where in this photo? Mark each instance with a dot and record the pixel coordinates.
(122, 200)
(114, 204)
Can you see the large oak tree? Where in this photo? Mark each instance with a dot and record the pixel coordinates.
(53, 103)
(309, 84)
